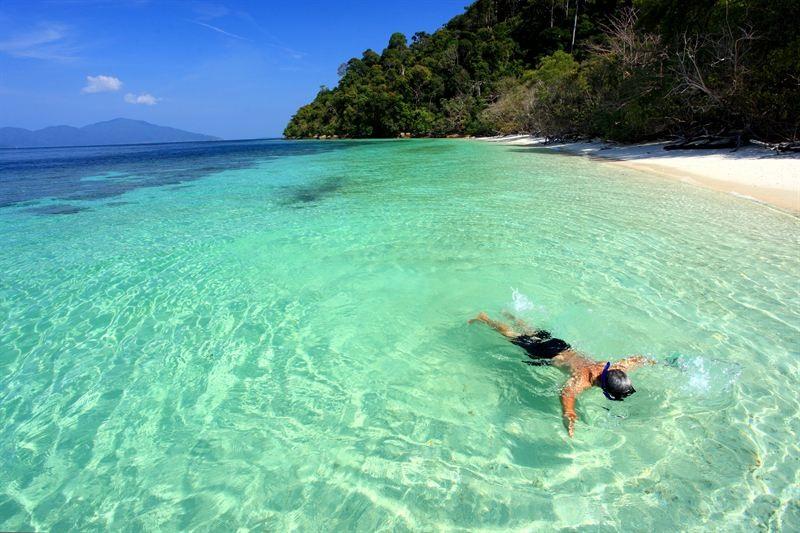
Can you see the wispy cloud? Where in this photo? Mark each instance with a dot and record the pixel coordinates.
(220, 30)
(273, 41)
(143, 99)
(209, 10)
(47, 41)
(101, 84)
(291, 52)
(205, 12)
(101, 3)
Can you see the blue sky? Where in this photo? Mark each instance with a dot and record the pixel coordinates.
(233, 69)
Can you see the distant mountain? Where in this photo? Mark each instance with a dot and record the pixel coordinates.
(117, 131)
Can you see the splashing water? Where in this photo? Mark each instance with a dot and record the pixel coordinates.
(702, 375)
(520, 302)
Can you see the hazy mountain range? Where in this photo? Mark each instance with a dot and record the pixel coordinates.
(116, 131)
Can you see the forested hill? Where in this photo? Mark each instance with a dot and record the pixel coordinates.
(621, 70)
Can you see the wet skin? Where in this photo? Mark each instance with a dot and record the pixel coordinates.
(584, 373)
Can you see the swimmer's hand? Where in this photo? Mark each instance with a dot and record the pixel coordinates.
(572, 389)
(634, 362)
(569, 423)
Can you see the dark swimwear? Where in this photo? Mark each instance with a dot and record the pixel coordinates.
(540, 346)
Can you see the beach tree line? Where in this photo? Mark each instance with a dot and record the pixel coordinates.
(620, 70)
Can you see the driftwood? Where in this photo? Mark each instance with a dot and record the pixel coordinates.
(788, 146)
(566, 138)
(709, 142)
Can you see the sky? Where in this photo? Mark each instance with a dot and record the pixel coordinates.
(234, 69)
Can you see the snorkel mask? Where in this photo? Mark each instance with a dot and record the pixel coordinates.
(604, 386)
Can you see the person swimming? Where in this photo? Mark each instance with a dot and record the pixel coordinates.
(544, 349)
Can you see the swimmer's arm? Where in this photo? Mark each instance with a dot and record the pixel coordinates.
(634, 361)
(571, 390)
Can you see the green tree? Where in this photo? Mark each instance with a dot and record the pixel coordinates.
(636, 69)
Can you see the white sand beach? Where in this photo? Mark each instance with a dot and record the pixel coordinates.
(751, 172)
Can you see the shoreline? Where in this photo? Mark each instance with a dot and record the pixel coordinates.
(752, 173)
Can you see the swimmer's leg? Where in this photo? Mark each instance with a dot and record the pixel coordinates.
(499, 327)
(525, 328)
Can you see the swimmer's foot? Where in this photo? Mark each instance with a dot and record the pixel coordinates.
(482, 317)
(501, 328)
(524, 327)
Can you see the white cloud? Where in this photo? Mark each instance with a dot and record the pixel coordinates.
(47, 41)
(101, 84)
(144, 98)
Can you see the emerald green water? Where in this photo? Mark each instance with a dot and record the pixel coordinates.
(273, 335)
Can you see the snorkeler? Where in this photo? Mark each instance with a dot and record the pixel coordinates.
(544, 349)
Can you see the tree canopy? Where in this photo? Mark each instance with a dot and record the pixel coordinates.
(622, 70)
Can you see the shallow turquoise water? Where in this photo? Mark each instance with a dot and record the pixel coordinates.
(273, 335)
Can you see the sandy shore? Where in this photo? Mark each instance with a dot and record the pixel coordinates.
(753, 173)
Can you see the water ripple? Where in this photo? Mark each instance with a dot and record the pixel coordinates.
(213, 357)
